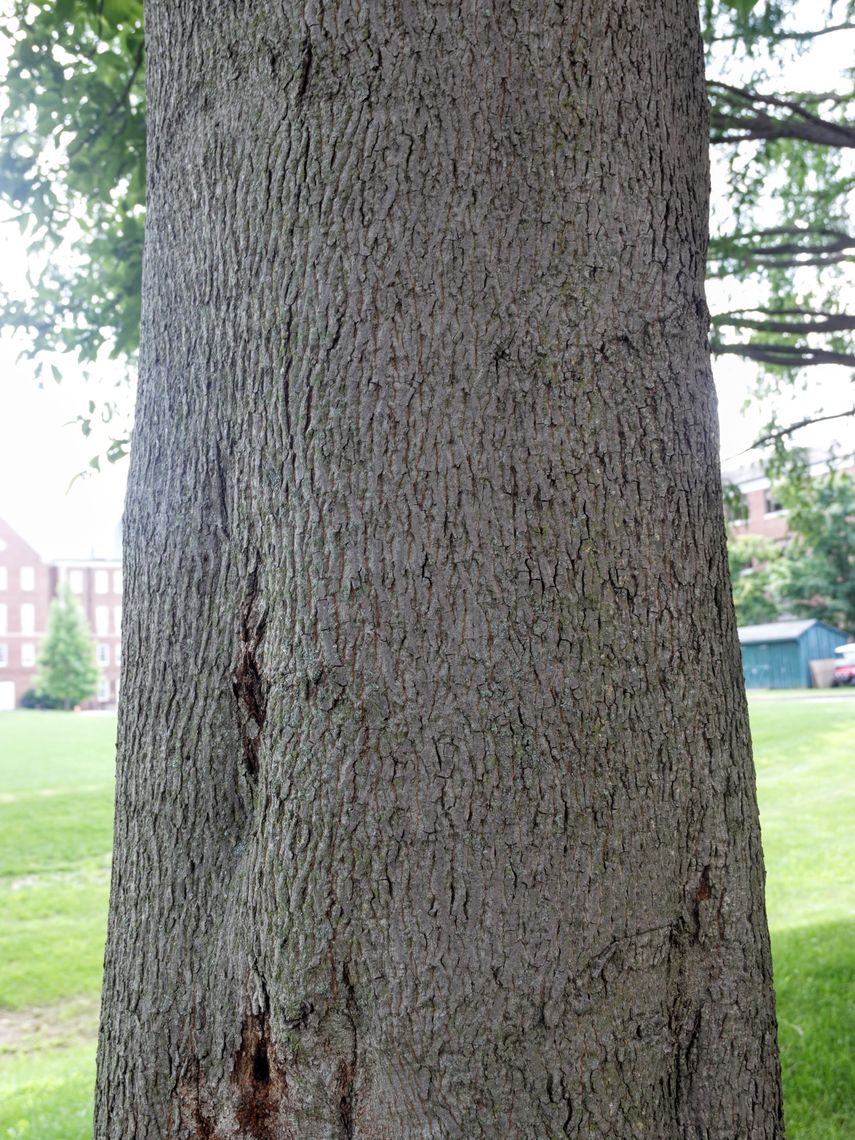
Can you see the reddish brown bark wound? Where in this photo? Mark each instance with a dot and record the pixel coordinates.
(259, 1080)
(704, 890)
(249, 686)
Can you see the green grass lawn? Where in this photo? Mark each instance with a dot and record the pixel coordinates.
(56, 807)
(56, 792)
(805, 756)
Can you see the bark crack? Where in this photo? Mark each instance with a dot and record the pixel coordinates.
(249, 685)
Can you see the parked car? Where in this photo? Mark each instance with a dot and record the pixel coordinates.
(844, 673)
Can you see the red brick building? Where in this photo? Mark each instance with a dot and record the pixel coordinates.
(24, 599)
(766, 517)
(27, 584)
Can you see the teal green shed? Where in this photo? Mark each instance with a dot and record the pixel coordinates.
(777, 655)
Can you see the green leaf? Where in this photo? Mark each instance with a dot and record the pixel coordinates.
(741, 7)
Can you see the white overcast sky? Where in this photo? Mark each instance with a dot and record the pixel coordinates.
(42, 448)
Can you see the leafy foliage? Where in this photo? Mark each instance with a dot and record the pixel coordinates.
(72, 167)
(812, 575)
(67, 668)
(817, 577)
(751, 559)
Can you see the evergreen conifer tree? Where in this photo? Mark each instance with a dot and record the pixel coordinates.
(67, 668)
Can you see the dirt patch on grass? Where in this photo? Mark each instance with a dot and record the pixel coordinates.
(42, 1027)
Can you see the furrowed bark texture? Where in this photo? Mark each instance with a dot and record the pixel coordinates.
(436, 811)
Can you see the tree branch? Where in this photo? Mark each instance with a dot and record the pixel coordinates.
(804, 124)
(822, 323)
(785, 355)
(782, 433)
(119, 103)
(813, 251)
(778, 37)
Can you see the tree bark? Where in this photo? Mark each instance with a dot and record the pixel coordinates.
(435, 808)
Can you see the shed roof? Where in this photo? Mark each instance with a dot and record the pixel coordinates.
(777, 631)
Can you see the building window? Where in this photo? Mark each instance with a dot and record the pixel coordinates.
(103, 689)
(771, 506)
(28, 618)
(102, 582)
(4, 578)
(117, 581)
(28, 578)
(102, 619)
(75, 581)
(117, 653)
(4, 617)
(28, 655)
(117, 619)
(102, 653)
(4, 655)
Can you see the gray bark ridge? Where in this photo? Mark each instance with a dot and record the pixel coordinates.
(435, 803)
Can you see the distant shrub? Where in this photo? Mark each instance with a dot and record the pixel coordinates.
(33, 700)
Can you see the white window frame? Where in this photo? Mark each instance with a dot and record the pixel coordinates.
(102, 620)
(4, 655)
(28, 655)
(102, 582)
(28, 617)
(28, 579)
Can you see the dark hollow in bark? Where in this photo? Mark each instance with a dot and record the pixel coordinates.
(435, 803)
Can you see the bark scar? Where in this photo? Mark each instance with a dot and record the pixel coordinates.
(249, 685)
(259, 1079)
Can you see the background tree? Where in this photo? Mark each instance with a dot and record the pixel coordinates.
(751, 559)
(816, 578)
(435, 804)
(810, 575)
(67, 668)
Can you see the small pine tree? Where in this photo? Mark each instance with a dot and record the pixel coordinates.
(67, 668)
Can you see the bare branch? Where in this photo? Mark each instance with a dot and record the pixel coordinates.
(820, 247)
(821, 323)
(785, 355)
(782, 433)
(758, 124)
(778, 37)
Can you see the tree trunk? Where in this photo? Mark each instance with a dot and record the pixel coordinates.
(436, 810)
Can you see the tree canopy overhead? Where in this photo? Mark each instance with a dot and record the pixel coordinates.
(782, 245)
(72, 167)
